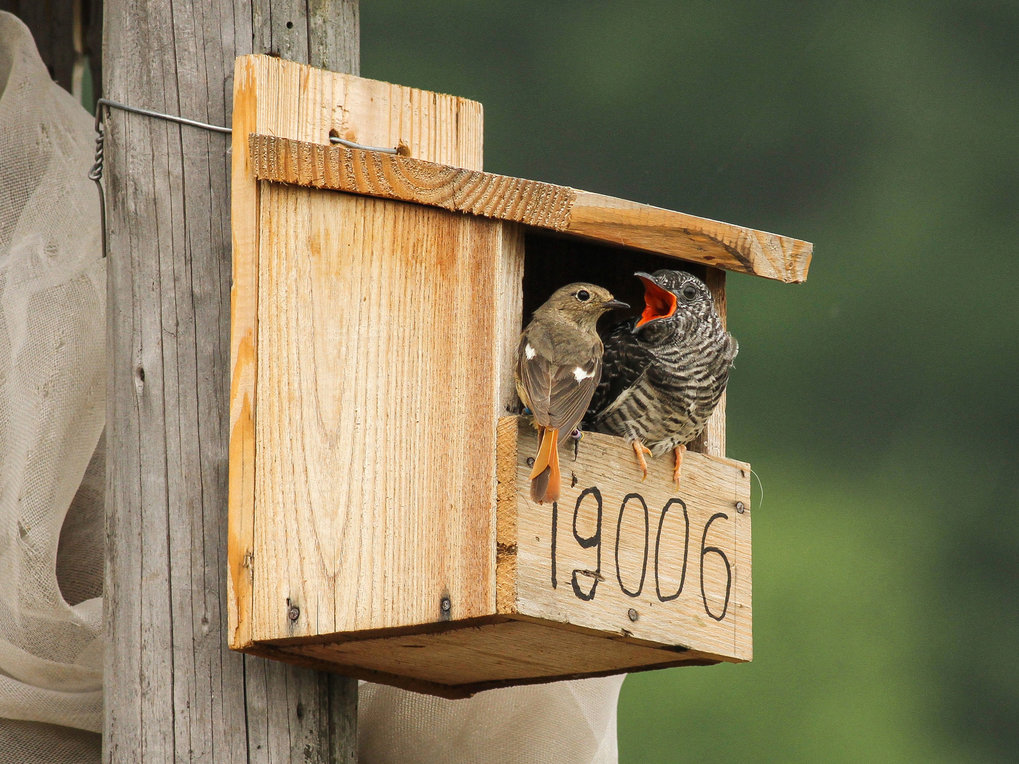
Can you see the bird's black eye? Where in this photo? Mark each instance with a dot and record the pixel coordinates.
(583, 295)
(689, 292)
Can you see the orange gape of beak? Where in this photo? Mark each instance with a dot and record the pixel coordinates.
(658, 302)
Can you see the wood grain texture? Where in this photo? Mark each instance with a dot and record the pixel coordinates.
(543, 205)
(364, 375)
(375, 457)
(629, 558)
(284, 98)
(466, 658)
(539, 632)
(172, 689)
(712, 440)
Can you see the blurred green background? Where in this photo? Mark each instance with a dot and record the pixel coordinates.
(877, 402)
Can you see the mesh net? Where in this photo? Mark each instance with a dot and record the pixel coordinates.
(52, 378)
(568, 722)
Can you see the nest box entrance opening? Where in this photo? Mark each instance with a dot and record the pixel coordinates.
(552, 260)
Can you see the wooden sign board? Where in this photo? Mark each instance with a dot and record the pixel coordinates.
(637, 560)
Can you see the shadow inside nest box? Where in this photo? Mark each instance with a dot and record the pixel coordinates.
(551, 261)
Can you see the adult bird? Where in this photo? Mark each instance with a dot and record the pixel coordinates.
(559, 362)
(665, 370)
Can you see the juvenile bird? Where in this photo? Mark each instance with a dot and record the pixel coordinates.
(664, 370)
(558, 367)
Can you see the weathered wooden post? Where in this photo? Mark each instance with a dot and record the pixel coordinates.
(173, 690)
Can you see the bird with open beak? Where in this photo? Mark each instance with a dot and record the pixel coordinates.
(665, 370)
(559, 363)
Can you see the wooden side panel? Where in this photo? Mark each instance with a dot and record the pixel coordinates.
(628, 558)
(375, 442)
(288, 99)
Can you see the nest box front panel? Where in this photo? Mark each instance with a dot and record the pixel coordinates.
(635, 560)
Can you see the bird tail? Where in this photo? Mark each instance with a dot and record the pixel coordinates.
(545, 478)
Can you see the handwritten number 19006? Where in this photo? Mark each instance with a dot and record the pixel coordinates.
(629, 582)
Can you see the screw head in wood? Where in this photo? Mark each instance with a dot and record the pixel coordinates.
(445, 604)
(632, 614)
(293, 612)
(740, 507)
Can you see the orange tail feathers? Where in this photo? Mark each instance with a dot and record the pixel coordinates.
(545, 476)
(552, 492)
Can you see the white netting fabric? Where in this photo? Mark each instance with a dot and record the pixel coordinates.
(52, 380)
(569, 722)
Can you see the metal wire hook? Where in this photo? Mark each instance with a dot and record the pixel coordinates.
(95, 173)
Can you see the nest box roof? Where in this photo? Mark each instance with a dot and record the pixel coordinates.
(545, 206)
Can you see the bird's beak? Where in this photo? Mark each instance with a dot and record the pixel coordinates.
(616, 304)
(658, 302)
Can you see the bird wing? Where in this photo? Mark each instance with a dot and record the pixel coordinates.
(625, 362)
(557, 394)
(624, 395)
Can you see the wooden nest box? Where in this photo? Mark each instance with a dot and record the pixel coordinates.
(380, 522)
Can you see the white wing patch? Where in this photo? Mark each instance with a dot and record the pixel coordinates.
(581, 375)
(529, 352)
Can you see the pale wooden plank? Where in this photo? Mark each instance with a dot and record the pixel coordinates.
(379, 379)
(506, 521)
(172, 690)
(605, 574)
(743, 579)
(484, 655)
(289, 99)
(712, 440)
(374, 431)
(508, 317)
(243, 336)
(543, 205)
(700, 240)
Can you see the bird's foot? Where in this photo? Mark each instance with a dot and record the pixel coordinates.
(678, 454)
(577, 435)
(640, 449)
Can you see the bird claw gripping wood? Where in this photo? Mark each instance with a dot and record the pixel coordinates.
(678, 452)
(640, 449)
(577, 435)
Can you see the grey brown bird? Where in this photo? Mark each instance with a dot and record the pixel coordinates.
(664, 370)
(559, 362)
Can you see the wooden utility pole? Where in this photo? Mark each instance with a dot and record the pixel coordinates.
(173, 691)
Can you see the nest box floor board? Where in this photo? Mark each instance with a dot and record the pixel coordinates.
(462, 660)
